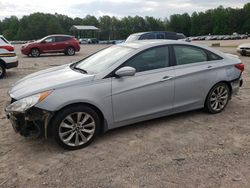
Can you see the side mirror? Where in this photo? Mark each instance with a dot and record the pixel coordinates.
(125, 71)
(43, 42)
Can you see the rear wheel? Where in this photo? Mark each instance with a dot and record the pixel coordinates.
(76, 127)
(217, 98)
(34, 52)
(70, 51)
(2, 70)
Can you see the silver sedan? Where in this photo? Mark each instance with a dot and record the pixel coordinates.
(121, 85)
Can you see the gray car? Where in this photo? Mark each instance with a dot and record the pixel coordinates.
(121, 85)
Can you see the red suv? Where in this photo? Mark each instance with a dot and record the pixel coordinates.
(52, 44)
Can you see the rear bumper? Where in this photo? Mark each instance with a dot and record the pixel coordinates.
(10, 62)
(235, 85)
(11, 65)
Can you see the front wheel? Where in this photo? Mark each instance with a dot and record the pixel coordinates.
(2, 71)
(76, 127)
(217, 98)
(34, 52)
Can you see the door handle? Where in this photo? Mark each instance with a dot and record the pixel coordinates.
(165, 78)
(210, 66)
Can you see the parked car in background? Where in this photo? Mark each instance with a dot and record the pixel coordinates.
(74, 102)
(83, 41)
(52, 44)
(244, 49)
(88, 41)
(8, 57)
(155, 35)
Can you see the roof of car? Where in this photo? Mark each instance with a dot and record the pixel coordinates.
(148, 43)
(61, 35)
(141, 33)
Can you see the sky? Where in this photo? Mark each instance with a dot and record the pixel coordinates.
(119, 8)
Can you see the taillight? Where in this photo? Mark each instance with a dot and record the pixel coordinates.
(240, 66)
(9, 48)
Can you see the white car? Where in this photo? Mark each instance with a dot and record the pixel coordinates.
(8, 58)
(244, 49)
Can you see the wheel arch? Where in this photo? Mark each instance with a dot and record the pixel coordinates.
(224, 81)
(35, 47)
(70, 46)
(3, 63)
(104, 126)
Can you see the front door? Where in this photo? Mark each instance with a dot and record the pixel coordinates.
(48, 45)
(149, 92)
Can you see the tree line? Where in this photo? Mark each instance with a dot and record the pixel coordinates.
(214, 21)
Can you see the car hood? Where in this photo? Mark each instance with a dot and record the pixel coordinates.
(53, 78)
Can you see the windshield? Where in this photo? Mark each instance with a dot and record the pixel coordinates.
(103, 59)
(132, 38)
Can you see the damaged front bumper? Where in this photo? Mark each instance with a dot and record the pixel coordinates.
(31, 123)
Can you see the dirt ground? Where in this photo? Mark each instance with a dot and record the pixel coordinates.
(192, 149)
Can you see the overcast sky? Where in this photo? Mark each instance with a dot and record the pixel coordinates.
(120, 8)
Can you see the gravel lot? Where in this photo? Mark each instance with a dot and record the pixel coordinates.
(192, 149)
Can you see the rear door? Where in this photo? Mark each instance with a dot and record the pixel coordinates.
(195, 74)
(149, 92)
(62, 42)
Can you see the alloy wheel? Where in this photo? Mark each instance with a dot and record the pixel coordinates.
(70, 51)
(77, 129)
(35, 53)
(219, 98)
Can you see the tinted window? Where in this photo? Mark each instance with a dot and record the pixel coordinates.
(50, 39)
(160, 36)
(171, 36)
(213, 57)
(180, 36)
(150, 59)
(61, 38)
(189, 54)
(147, 36)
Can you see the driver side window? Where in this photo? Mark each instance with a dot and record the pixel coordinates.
(50, 39)
(151, 59)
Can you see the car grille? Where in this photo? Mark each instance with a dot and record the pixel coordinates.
(245, 48)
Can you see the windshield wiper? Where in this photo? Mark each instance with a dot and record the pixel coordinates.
(79, 69)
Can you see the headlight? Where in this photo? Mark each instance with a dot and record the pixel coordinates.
(26, 103)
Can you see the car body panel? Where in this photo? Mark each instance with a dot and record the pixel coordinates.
(50, 79)
(146, 93)
(132, 99)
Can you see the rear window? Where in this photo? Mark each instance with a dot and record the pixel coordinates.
(132, 38)
(62, 38)
(147, 36)
(171, 36)
(213, 57)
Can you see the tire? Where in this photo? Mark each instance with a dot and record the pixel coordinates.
(2, 70)
(69, 127)
(243, 53)
(34, 52)
(217, 98)
(70, 51)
